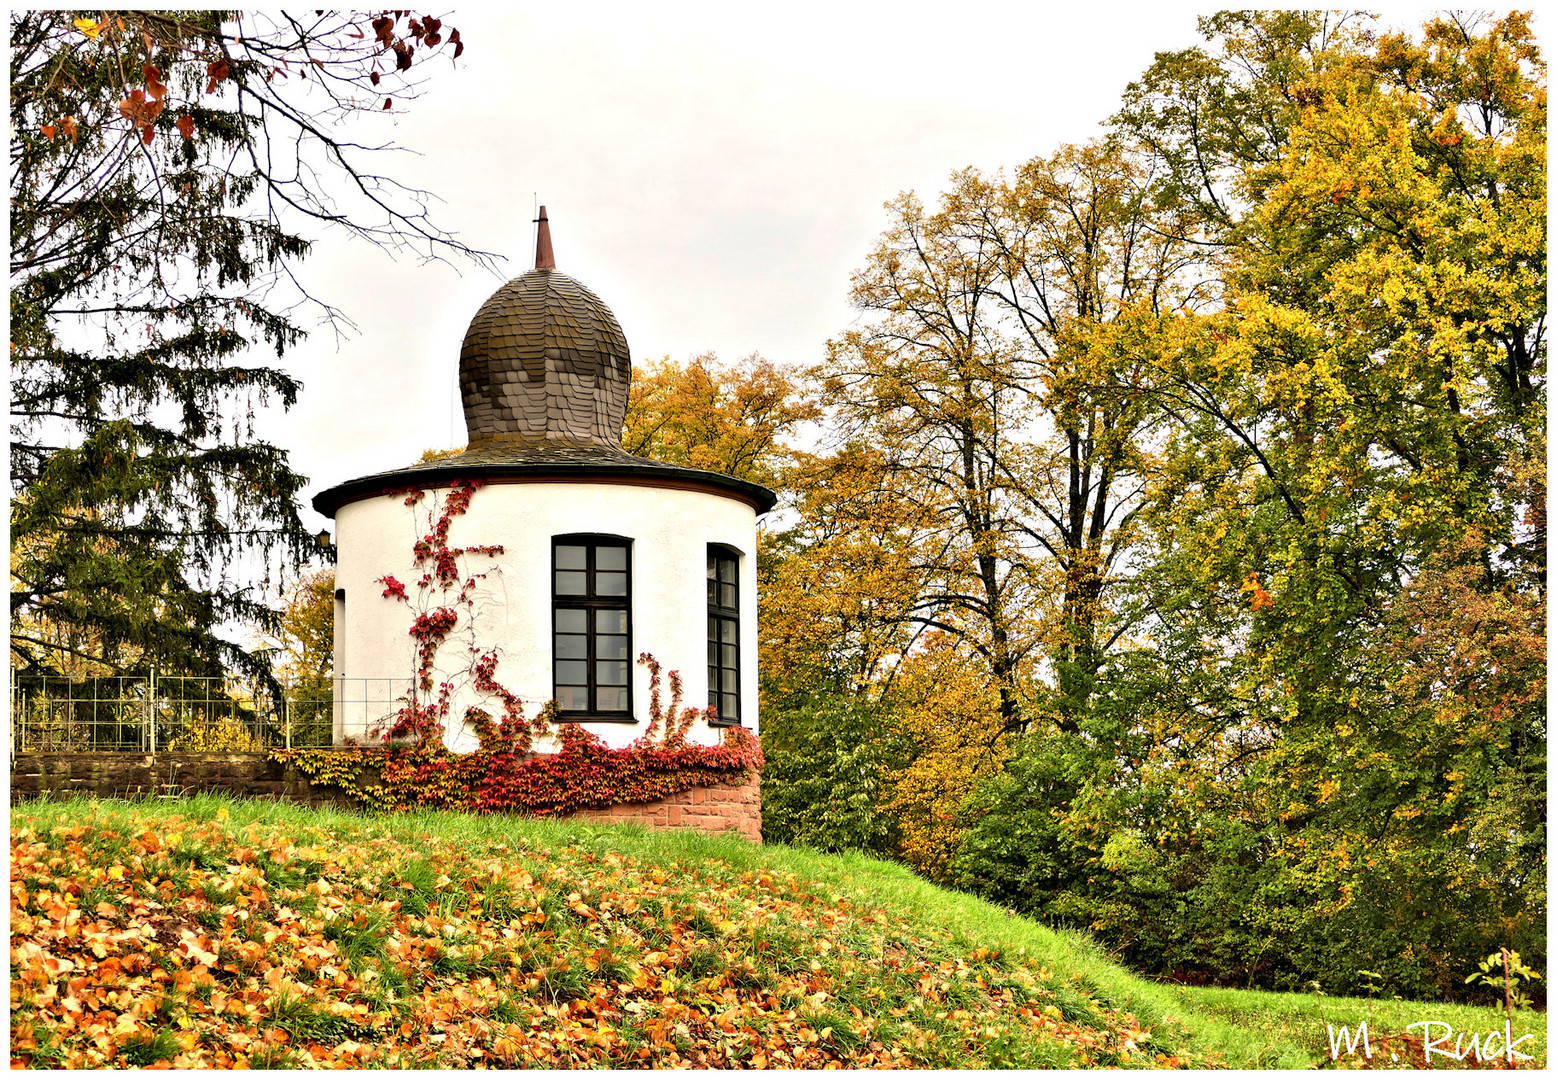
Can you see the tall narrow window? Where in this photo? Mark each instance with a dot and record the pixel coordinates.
(591, 628)
(724, 636)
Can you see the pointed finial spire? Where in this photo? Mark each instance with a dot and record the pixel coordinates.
(544, 259)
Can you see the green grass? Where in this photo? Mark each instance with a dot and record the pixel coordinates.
(1275, 1022)
(570, 952)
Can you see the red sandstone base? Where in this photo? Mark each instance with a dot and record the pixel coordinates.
(712, 809)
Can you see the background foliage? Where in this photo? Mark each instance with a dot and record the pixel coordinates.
(1175, 567)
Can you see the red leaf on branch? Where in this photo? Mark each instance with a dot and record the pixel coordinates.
(154, 84)
(186, 126)
(141, 112)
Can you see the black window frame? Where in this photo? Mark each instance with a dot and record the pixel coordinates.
(718, 615)
(591, 603)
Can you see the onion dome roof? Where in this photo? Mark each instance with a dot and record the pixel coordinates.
(545, 362)
(544, 375)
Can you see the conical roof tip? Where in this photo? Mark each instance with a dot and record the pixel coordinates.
(544, 259)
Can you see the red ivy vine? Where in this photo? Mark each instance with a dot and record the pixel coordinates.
(415, 768)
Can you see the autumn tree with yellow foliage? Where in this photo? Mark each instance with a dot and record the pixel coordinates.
(1349, 474)
(1181, 529)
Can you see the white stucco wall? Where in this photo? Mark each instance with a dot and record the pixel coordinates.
(669, 530)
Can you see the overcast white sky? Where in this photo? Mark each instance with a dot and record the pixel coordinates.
(714, 172)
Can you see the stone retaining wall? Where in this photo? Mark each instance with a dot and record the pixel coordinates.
(712, 809)
(165, 775)
(170, 775)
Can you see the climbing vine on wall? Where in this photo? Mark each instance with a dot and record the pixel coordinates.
(415, 768)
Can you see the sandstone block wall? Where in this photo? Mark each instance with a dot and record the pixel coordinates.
(712, 809)
(171, 775)
(164, 775)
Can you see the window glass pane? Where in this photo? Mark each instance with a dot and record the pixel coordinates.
(727, 656)
(713, 567)
(727, 596)
(727, 631)
(727, 570)
(591, 647)
(713, 652)
(729, 710)
(713, 686)
(713, 588)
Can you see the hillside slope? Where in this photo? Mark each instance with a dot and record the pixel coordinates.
(214, 933)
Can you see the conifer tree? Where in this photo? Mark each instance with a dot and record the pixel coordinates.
(166, 170)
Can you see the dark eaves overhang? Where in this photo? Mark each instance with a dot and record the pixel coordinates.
(531, 463)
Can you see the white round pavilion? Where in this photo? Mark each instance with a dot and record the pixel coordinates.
(605, 555)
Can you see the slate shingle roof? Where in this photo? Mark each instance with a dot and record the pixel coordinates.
(544, 359)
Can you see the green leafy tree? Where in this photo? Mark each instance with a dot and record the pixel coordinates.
(828, 762)
(164, 169)
(1349, 477)
(1319, 750)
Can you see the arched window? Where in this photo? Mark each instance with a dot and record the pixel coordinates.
(592, 627)
(724, 635)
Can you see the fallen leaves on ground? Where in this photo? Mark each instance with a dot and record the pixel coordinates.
(152, 939)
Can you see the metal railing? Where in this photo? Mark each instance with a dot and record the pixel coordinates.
(146, 714)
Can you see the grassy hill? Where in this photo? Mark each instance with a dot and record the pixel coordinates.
(208, 932)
